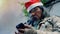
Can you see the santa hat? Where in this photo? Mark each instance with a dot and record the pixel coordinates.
(32, 4)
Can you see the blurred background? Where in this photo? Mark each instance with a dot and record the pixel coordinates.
(11, 14)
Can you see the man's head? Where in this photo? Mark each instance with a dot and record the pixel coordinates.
(34, 8)
(37, 12)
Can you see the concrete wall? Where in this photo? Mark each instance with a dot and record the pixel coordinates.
(55, 10)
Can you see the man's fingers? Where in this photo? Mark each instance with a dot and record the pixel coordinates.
(21, 30)
(27, 26)
(16, 33)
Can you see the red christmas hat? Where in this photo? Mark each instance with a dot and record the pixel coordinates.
(32, 4)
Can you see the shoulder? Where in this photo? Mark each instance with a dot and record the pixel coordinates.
(52, 19)
(55, 18)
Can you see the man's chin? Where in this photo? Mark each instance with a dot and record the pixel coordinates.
(35, 18)
(38, 18)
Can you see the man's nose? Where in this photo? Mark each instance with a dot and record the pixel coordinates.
(33, 14)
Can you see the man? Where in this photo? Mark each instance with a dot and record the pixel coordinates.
(39, 20)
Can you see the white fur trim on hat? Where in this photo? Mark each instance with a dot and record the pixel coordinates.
(34, 5)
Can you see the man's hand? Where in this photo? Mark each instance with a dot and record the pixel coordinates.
(26, 28)
(16, 33)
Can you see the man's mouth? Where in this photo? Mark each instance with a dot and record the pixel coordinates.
(35, 17)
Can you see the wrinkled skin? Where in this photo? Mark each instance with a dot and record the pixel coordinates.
(36, 12)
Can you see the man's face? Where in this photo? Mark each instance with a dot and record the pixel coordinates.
(36, 12)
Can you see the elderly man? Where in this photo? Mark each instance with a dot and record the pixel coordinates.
(40, 22)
